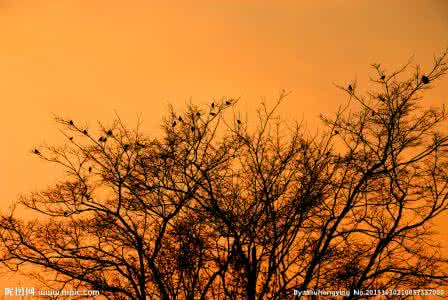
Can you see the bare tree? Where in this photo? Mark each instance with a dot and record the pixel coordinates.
(215, 209)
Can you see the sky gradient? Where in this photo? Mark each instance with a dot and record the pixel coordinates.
(88, 60)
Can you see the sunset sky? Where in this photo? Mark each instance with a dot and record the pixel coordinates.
(88, 60)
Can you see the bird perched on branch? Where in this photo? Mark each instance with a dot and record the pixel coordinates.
(70, 138)
(383, 77)
(213, 105)
(90, 169)
(109, 132)
(174, 124)
(228, 102)
(350, 88)
(71, 122)
(85, 131)
(425, 79)
(126, 147)
(180, 119)
(36, 151)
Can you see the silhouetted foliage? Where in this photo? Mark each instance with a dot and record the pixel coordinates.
(214, 209)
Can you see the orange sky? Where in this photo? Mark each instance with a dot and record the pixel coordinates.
(87, 59)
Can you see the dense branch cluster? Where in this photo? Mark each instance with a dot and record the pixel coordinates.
(221, 209)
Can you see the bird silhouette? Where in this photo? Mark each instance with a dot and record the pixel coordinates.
(336, 131)
(180, 119)
(238, 121)
(90, 169)
(350, 88)
(71, 122)
(198, 114)
(425, 79)
(126, 147)
(228, 102)
(84, 131)
(213, 104)
(36, 151)
(193, 128)
(174, 124)
(383, 77)
(109, 132)
(70, 138)
(212, 114)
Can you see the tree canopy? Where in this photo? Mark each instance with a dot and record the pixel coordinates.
(216, 208)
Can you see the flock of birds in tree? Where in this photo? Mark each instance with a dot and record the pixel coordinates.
(198, 115)
(424, 80)
(109, 133)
